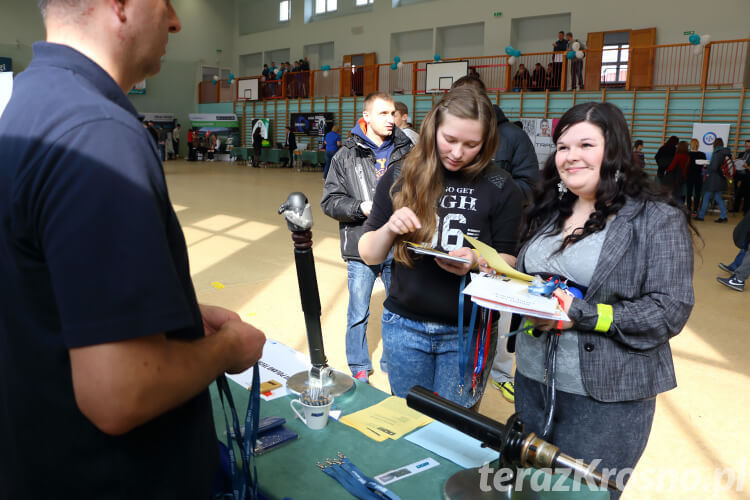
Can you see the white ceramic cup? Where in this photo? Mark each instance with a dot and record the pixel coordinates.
(315, 417)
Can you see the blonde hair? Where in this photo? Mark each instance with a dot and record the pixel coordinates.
(420, 184)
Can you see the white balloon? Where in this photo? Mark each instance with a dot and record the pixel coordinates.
(705, 39)
(579, 54)
(325, 73)
(347, 65)
(276, 71)
(698, 50)
(576, 46)
(400, 64)
(216, 78)
(512, 60)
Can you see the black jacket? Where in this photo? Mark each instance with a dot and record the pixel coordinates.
(291, 141)
(516, 155)
(351, 180)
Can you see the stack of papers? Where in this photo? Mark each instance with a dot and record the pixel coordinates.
(454, 445)
(389, 419)
(505, 294)
(509, 289)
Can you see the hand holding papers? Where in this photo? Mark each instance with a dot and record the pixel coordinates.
(509, 291)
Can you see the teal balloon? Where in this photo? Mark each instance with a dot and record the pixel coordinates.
(213, 82)
(509, 50)
(571, 54)
(516, 53)
(394, 66)
(231, 76)
(437, 57)
(397, 59)
(695, 39)
(326, 67)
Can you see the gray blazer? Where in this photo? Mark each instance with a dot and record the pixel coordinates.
(645, 272)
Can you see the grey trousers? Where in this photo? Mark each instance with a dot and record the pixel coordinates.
(743, 270)
(615, 433)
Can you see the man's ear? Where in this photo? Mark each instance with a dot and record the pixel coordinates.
(118, 7)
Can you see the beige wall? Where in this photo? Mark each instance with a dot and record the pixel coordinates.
(723, 19)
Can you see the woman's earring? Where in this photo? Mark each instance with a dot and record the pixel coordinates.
(562, 188)
(618, 175)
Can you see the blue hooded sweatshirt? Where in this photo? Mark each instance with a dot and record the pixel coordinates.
(382, 152)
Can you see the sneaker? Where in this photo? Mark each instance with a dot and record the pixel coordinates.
(726, 268)
(507, 389)
(721, 219)
(734, 283)
(362, 377)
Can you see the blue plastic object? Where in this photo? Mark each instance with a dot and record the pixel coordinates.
(695, 39)
(509, 50)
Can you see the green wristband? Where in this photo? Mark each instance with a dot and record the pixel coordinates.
(604, 321)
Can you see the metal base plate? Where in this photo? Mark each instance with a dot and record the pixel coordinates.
(338, 384)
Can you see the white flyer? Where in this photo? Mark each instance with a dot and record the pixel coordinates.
(278, 363)
(506, 294)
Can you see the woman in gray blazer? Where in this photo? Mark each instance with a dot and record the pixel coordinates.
(589, 385)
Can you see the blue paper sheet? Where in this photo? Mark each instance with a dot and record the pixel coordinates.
(453, 445)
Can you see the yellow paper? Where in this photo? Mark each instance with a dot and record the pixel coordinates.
(389, 419)
(218, 285)
(496, 262)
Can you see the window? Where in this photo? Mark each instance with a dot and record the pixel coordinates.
(362, 3)
(323, 6)
(285, 10)
(614, 65)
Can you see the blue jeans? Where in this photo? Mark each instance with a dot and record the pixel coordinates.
(616, 433)
(361, 279)
(425, 353)
(329, 155)
(707, 199)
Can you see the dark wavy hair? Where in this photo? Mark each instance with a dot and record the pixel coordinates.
(620, 178)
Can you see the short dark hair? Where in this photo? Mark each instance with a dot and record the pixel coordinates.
(718, 142)
(568, 34)
(402, 108)
(638, 143)
(372, 96)
(471, 81)
(560, 32)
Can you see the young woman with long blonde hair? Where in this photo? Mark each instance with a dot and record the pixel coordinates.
(447, 186)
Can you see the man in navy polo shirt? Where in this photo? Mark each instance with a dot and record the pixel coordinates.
(105, 354)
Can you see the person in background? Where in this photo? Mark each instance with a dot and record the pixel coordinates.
(257, 146)
(152, 131)
(446, 187)
(742, 180)
(176, 139)
(169, 146)
(161, 136)
(639, 159)
(401, 120)
(549, 82)
(538, 78)
(374, 145)
(560, 46)
(576, 65)
(332, 143)
(290, 144)
(694, 181)
(715, 183)
(598, 222)
(740, 267)
(106, 355)
(664, 156)
(676, 173)
(522, 79)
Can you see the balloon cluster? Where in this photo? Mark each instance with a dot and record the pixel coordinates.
(215, 79)
(575, 52)
(513, 53)
(397, 63)
(699, 42)
(230, 79)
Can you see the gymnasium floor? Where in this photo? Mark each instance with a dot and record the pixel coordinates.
(241, 258)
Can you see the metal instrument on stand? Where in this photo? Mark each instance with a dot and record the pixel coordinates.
(516, 447)
(321, 377)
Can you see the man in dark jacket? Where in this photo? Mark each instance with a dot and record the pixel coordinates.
(290, 143)
(516, 152)
(355, 169)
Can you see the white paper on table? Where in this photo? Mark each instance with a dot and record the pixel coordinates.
(454, 445)
(506, 294)
(279, 362)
